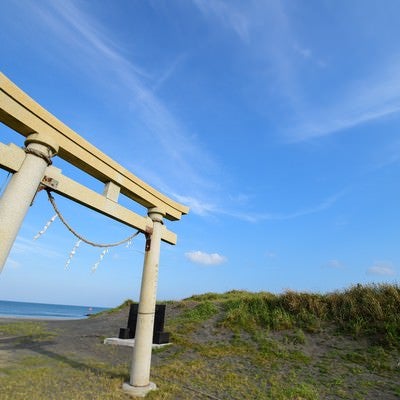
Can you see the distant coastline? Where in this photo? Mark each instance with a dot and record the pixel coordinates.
(42, 311)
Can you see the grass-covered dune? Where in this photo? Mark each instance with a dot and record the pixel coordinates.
(368, 311)
(236, 345)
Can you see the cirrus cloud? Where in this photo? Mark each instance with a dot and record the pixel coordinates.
(382, 268)
(199, 257)
(336, 264)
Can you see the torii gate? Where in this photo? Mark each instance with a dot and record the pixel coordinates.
(46, 137)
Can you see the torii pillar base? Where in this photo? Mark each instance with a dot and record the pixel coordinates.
(138, 391)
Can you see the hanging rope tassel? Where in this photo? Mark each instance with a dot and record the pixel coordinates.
(71, 255)
(103, 253)
(106, 247)
(40, 233)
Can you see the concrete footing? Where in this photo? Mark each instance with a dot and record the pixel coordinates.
(138, 391)
(131, 343)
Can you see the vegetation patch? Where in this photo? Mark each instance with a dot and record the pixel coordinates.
(236, 345)
(362, 311)
(200, 312)
(38, 378)
(27, 330)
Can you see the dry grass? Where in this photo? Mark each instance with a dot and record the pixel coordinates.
(368, 311)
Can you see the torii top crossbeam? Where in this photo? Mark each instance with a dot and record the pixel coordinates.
(24, 115)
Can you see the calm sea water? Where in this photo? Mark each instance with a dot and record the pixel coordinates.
(16, 309)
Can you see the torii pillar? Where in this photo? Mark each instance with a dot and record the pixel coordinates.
(20, 191)
(139, 384)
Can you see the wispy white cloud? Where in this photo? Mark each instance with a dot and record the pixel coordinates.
(31, 247)
(262, 216)
(231, 16)
(307, 54)
(303, 51)
(196, 206)
(270, 254)
(383, 268)
(169, 71)
(268, 38)
(182, 152)
(206, 208)
(199, 257)
(324, 205)
(102, 56)
(335, 264)
(12, 263)
(388, 156)
(372, 96)
(346, 115)
(270, 31)
(341, 221)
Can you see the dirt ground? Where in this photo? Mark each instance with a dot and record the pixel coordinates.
(281, 365)
(80, 339)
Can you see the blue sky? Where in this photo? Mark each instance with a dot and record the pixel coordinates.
(277, 122)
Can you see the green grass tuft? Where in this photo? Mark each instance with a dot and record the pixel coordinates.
(26, 329)
(200, 312)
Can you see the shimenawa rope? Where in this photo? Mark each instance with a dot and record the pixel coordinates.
(80, 237)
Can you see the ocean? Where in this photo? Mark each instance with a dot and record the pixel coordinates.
(17, 309)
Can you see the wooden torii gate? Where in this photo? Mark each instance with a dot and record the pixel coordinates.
(46, 136)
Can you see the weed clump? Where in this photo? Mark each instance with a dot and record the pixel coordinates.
(372, 311)
(200, 312)
(26, 331)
